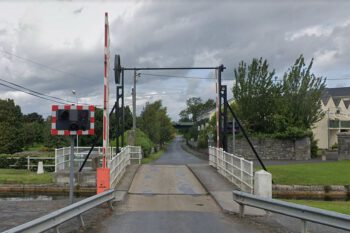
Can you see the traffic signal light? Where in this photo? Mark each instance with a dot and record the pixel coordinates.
(72, 120)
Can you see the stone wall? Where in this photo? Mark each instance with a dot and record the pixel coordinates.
(276, 149)
(343, 146)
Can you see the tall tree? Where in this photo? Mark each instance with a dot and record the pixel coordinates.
(302, 91)
(195, 107)
(155, 122)
(265, 106)
(256, 95)
(11, 127)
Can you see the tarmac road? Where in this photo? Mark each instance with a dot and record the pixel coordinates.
(166, 197)
(175, 155)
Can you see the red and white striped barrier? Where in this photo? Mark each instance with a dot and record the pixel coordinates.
(106, 95)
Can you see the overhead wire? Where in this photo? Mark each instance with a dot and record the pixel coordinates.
(177, 76)
(38, 63)
(28, 91)
(33, 94)
(36, 92)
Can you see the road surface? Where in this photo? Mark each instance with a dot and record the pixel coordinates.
(166, 197)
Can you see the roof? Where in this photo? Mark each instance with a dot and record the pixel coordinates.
(347, 103)
(338, 92)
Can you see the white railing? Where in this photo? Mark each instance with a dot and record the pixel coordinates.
(62, 156)
(119, 162)
(236, 169)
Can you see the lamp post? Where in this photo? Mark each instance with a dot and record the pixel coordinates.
(76, 100)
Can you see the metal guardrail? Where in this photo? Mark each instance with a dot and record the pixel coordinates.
(57, 217)
(304, 213)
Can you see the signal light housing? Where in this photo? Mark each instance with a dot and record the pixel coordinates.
(72, 120)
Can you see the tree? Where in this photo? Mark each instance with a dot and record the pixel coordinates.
(287, 108)
(195, 107)
(11, 127)
(256, 95)
(155, 122)
(33, 133)
(53, 141)
(33, 117)
(33, 127)
(302, 93)
(127, 124)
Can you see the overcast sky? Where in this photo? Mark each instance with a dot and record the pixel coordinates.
(68, 36)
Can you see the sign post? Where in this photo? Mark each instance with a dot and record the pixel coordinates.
(71, 170)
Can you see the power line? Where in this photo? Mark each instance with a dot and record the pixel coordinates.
(176, 76)
(36, 93)
(29, 93)
(38, 63)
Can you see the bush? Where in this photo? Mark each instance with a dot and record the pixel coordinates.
(6, 161)
(314, 147)
(293, 133)
(334, 146)
(203, 139)
(143, 140)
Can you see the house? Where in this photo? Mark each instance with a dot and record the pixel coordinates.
(335, 104)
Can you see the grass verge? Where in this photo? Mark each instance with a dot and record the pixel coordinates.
(16, 176)
(152, 157)
(330, 173)
(337, 206)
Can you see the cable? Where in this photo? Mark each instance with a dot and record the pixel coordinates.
(176, 76)
(53, 97)
(36, 93)
(29, 93)
(38, 64)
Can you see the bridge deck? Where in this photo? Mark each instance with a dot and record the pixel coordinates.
(169, 198)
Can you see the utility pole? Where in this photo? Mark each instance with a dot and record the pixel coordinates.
(134, 108)
(233, 136)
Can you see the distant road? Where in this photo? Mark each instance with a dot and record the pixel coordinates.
(175, 155)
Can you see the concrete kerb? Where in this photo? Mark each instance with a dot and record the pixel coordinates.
(225, 200)
(197, 177)
(122, 188)
(222, 207)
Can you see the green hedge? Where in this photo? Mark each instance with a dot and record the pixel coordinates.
(144, 141)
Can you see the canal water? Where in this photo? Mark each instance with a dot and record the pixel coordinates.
(37, 197)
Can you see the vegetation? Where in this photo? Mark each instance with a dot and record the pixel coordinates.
(337, 206)
(155, 123)
(27, 131)
(152, 157)
(312, 174)
(288, 108)
(195, 107)
(12, 176)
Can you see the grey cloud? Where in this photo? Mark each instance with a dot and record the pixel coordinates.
(177, 33)
(78, 11)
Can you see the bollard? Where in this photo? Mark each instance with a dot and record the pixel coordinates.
(40, 168)
(263, 184)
